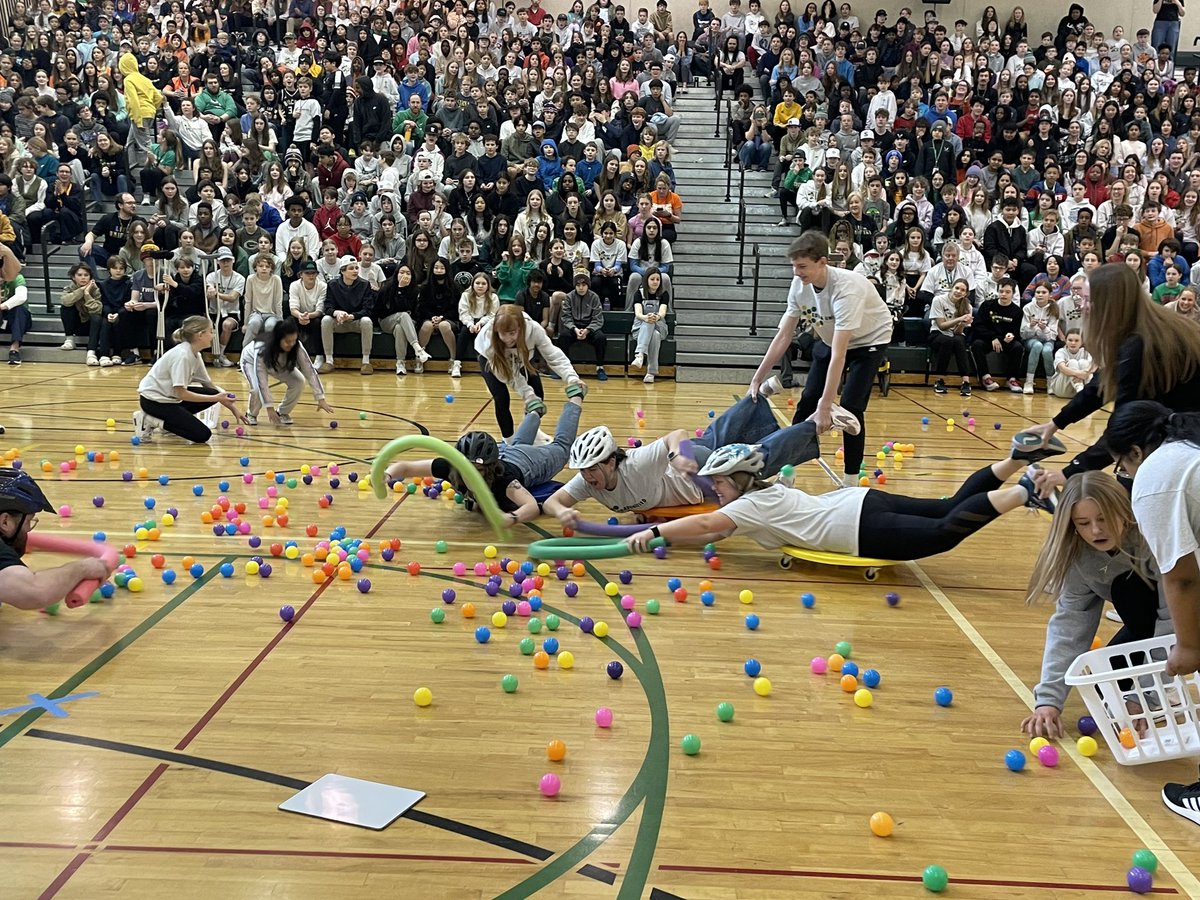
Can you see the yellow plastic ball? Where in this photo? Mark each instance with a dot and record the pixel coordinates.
(134, 584)
(566, 660)
(115, 456)
(142, 534)
(282, 503)
(1037, 744)
(306, 469)
(490, 552)
(398, 487)
(110, 423)
(1087, 745)
(881, 455)
(292, 552)
(611, 589)
(80, 449)
(950, 422)
(863, 698)
(746, 596)
(168, 519)
(143, 472)
(251, 568)
(499, 619)
(898, 457)
(762, 686)
(543, 569)
(422, 696)
(364, 485)
(600, 629)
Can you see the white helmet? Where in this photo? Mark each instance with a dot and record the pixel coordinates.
(734, 458)
(592, 447)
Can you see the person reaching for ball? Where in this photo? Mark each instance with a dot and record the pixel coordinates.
(21, 499)
(282, 356)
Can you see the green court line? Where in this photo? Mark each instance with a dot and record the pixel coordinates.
(29, 718)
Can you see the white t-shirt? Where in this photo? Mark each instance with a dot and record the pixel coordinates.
(781, 515)
(225, 284)
(1166, 502)
(180, 366)
(849, 302)
(644, 481)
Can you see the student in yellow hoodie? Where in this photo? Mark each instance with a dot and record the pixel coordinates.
(142, 103)
(786, 109)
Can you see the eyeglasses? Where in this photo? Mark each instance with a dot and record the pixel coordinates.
(1119, 467)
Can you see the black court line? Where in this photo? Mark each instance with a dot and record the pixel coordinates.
(515, 845)
(660, 894)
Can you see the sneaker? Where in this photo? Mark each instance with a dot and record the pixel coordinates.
(1028, 447)
(14, 357)
(419, 368)
(251, 420)
(325, 368)
(1014, 385)
(939, 386)
(68, 344)
(106, 362)
(1028, 389)
(770, 387)
(456, 369)
(318, 361)
(989, 383)
(649, 379)
(143, 426)
(286, 420)
(638, 361)
(1183, 799)
(845, 420)
(400, 370)
(1046, 504)
(422, 355)
(366, 369)
(782, 223)
(541, 439)
(92, 359)
(601, 375)
(964, 389)
(221, 361)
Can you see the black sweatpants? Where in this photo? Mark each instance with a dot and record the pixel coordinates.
(500, 397)
(180, 418)
(944, 347)
(1013, 353)
(597, 339)
(862, 363)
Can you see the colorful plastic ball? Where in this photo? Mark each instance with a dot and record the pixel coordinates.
(752, 667)
(615, 670)
(1037, 744)
(524, 609)
(550, 645)
(499, 619)
(227, 570)
(850, 668)
(690, 744)
(586, 624)
(708, 598)
(843, 649)
(566, 659)
(634, 619)
(625, 576)
(535, 626)
(600, 629)
(752, 622)
(943, 696)
(134, 584)
(725, 711)
(653, 607)
(107, 590)
(680, 595)
(541, 660)
(746, 596)
(422, 696)
(849, 683)
(1048, 756)
(508, 683)
(287, 613)
(1145, 859)
(448, 595)
(414, 568)
(251, 568)
(762, 686)
(808, 601)
(892, 598)
(490, 552)
(169, 576)
(1087, 745)
(882, 824)
(550, 784)
(149, 503)
(552, 621)
(1087, 725)
(818, 666)
(1140, 881)
(660, 552)
(196, 570)
(364, 585)
(863, 698)
(483, 634)
(935, 879)
(871, 678)
(1015, 760)
(526, 646)
(333, 423)
(674, 584)
(835, 663)
(437, 615)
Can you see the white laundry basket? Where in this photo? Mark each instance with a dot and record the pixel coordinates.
(1170, 706)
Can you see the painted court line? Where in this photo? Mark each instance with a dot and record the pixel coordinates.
(1120, 804)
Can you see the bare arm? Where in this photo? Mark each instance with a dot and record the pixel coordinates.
(26, 589)
(401, 470)
(701, 528)
(527, 507)
(1182, 588)
(561, 505)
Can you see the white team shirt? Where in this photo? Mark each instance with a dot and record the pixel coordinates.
(644, 481)
(849, 302)
(781, 515)
(1166, 502)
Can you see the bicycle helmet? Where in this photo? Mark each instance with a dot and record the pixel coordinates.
(19, 493)
(592, 447)
(733, 458)
(479, 447)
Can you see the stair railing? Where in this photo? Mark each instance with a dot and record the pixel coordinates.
(754, 294)
(741, 226)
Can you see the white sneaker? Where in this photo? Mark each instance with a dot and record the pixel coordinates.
(251, 420)
(422, 355)
(541, 439)
(638, 361)
(143, 426)
(400, 370)
(106, 362)
(1028, 389)
(649, 379)
(92, 359)
(222, 362)
(68, 344)
(782, 223)
(845, 420)
(456, 369)
(419, 368)
(769, 387)
(286, 420)
(318, 361)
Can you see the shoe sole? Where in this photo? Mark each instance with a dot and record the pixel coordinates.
(1189, 814)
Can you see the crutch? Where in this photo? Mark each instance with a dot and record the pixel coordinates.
(160, 329)
(214, 310)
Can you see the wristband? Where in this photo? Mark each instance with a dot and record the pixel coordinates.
(671, 454)
(654, 530)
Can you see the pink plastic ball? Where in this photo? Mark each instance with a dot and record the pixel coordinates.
(524, 609)
(480, 568)
(634, 620)
(819, 665)
(315, 471)
(248, 478)
(627, 602)
(971, 421)
(263, 503)
(641, 413)
(333, 468)
(699, 432)
(460, 569)
(1048, 756)
(341, 555)
(231, 515)
(240, 431)
(528, 585)
(64, 511)
(604, 717)
(364, 554)
(244, 528)
(64, 467)
(550, 785)
(272, 491)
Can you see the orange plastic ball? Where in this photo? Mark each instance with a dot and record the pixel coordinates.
(345, 574)
(468, 610)
(239, 508)
(143, 472)
(511, 567)
(206, 517)
(268, 521)
(47, 467)
(835, 662)
(882, 825)
(541, 660)
(849, 684)
(321, 552)
(269, 475)
(555, 751)
(705, 585)
(187, 562)
(154, 534)
(308, 560)
(1127, 739)
(578, 569)
(115, 456)
(318, 576)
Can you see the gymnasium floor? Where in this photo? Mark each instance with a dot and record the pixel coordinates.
(201, 712)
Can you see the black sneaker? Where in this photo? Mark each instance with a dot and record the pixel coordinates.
(14, 357)
(964, 390)
(939, 386)
(1183, 799)
(1046, 504)
(1027, 447)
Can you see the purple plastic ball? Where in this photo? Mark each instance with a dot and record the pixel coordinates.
(307, 479)
(660, 552)
(892, 598)
(333, 423)
(586, 624)
(388, 555)
(1140, 881)
(264, 570)
(127, 476)
(563, 573)
(709, 554)
(173, 511)
(219, 530)
(615, 670)
(287, 613)
(96, 501)
(1087, 725)
(571, 589)
(509, 607)
(364, 585)
(491, 589)
(353, 476)
(255, 541)
(514, 589)
(626, 576)
(224, 423)
(448, 595)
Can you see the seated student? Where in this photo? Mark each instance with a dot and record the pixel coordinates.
(1073, 367)
(280, 355)
(658, 474)
(186, 295)
(949, 320)
(510, 469)
(79, 307)
(21, 501)
(650, 322)
(15, 317)
(852, 521)
(349, 304)
(609, 257)
(583, 322)
(997, 329)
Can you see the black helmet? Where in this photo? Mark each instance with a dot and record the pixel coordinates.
(20, 493)
(479, 447)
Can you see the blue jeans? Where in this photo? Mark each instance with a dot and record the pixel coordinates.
(1165, 33)
(752, 154)
(747, 422)
(539, 464)
(1044, 349)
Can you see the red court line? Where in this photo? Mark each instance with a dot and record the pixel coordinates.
(868, 876)
(322, 854)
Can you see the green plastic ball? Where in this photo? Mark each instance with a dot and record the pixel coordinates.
(362, 416)
(787, 471)
(509, 683)
(709, 546)
(652, 607)
(552, 622)
(119, 580)
(437, 615)
(725, 712)
(291, 483)
(96, 597)
(535, 626)
(843, 649)
(690, 744)
(411, 489)
(1145, 859)
(526, 646)
(53, 608)
(935, 879)
(459, 498)
(441, 546)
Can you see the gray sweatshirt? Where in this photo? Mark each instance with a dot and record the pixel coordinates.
(1077, 616)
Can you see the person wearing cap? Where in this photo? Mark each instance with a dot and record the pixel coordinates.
(225, 288)
(287, 57)
(385, 84)
(866, 154)
(21, 500)
(349, 307)
(790, 144)
(938, 154)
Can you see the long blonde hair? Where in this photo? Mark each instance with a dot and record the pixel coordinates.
(1064, 544)
(1119, 309)
(508, 318)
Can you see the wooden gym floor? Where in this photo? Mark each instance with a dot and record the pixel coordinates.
(201, 712)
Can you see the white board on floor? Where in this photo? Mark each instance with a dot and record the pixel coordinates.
(353, 801)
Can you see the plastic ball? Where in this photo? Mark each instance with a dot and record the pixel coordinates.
(1087, 745)
(1145, 859)
(566, 660)
(550, 784)
(849, 668)
(550, 645)
(600, 629)
(556, 751)
(708, 598)
(849, 683)
(508, 683)
(571, 589)
(680, 595)
(490, 552)
(882, 825)
(422, 696)
(615, 670)
(448, 595)
(196, 570)
(1048, 756)
(611, 589)
(158, 560)
(653, 607)
(149, 503)
(169, 576)
(871, 678)
(746, 596)
(690, 744)
(437, 615)
(808, 601)
(509, 608)
(674, 584)
(1037, 744)
(414, 568)
(762, 686)
(843, 649)
(541, 660)
(552, 621)
(1140, 881)
(227, 570)
(499, 619)
(107, 590)
(134, 585)
(935, 879)
(526, 646)
(818, 666)
(364, 585)
(835, 663)
(1015, 760)
(1087, 725)
(535, 626)
(752, 667)
(943, 696)
(752, 622)
(587, 624)
(483, 634)
(892, 598)
(863, 698)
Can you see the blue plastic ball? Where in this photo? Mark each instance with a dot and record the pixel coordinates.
(615, 670)
(808, 600)
(227, 570)
(91, 456)
(107, 589)
(245, 460)
(943, 696)
(850, 668)
(336, 483)
(307, 479)
(356, 564)
(674, 584)
(870, 678)
(449, 398)
(712, 413)
(483, 634)
(613, 520)
(1015, 760)
(231, 529)
(353, 476)
(197, 489)
(196, 570)
(222, 485)
(535, 603)
(752, 667)
(100, 536)
(892, 598)
(924, 420)
(164, 479)
(752, 624)
(708, 598)
(135, 441)
(149, 502)
(550, 645)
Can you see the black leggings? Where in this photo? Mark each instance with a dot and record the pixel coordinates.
(180, 418)
(944, 347)
(893, 526)
(859, 376)
(499, 391)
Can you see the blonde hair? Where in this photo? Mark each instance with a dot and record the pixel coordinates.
(508, 317)
(191, 327)
(1064, 543)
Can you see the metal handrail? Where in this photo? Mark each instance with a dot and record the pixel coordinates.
(741, 239)
(717, 109)
(754, 294)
